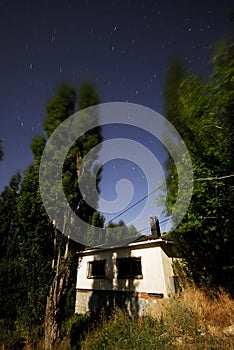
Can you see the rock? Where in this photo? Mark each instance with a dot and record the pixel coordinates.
(229, 331)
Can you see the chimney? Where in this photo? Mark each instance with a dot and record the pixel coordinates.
(155, 229)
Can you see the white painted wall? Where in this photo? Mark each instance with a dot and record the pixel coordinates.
(156, 269)
(168, 273)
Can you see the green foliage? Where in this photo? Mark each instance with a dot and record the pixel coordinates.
(177, 329)
(87, 96)
(8, 202)
(10, 271)
(77, 327)
(119, 231)
(29, 243)
(59, 108)
(37, 147)
(175, 75)
(35, 248)
(113, 233)
(204, 119)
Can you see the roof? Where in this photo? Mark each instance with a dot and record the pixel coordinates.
(136, 242)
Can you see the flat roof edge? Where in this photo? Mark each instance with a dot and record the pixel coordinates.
(149, 242)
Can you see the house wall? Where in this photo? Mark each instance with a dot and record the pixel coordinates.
(141, 304)
(168, 273)
(157, 281)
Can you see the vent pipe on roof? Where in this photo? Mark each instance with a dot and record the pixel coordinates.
(155, 229)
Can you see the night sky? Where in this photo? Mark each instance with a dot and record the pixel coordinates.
(122, 47)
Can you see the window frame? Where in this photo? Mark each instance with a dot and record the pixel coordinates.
(131, 275)
(90, 274)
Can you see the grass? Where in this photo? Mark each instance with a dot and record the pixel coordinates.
(216, 311)
(189, 321)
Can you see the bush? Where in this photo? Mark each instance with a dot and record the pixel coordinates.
(122, 332)
(189, 321)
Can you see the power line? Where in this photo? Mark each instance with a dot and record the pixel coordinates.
(166, 219)
(165, 222)
(143, 229)
(133, 205)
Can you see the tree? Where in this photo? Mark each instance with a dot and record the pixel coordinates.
(176, 73)
(120, 233)
(38, 263)
(65, 258)
(60, 108)
(204, 119)
(10, 271)
(35, 246)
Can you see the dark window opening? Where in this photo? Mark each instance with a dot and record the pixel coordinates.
(129, 267)
(96, 269)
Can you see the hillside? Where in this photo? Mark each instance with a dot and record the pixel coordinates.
(191, 320)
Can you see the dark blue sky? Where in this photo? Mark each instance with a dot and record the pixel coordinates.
(123, 47)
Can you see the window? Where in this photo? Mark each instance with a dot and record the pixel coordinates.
(96, 269)
(129, 267)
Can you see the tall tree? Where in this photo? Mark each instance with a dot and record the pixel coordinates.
(204, 119)
(35, 234)
(64, 259)
(60, 108)
(176, 73)
(38, 263)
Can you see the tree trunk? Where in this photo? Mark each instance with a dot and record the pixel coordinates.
(56, 297)
(51, 325)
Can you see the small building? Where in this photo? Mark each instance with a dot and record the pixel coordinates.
(133, 275)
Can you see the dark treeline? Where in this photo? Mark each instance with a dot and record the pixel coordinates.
(203, 113)
(38, 264)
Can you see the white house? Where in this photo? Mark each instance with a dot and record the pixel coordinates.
(133, 275)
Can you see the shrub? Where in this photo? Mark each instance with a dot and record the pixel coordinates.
(185, 323)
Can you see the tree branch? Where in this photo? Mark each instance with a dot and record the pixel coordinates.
(216, 126)
(213, 178)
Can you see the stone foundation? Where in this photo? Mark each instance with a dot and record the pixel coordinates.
(135, 303)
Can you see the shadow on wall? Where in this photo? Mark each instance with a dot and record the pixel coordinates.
(114, 276)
